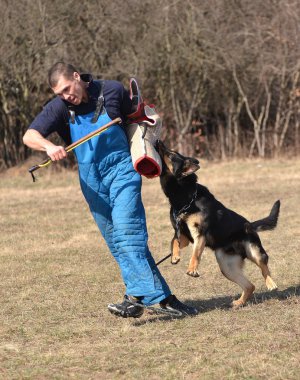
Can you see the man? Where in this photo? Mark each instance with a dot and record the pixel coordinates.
(111, 186)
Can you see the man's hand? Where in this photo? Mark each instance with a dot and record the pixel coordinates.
(56, 152)
(33, 139)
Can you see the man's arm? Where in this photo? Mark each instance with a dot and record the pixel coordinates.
(34, 140)
(50, 119)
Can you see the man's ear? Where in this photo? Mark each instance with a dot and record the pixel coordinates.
(76, 76)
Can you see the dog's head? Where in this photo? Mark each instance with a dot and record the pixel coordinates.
(175, 163)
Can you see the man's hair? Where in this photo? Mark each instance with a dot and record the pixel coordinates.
(60, 69)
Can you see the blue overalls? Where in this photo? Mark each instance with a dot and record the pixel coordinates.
(112, 188)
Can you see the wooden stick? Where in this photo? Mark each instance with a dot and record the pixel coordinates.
(75, 144)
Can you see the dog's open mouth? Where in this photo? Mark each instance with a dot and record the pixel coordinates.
(178, 164)
(192, 165)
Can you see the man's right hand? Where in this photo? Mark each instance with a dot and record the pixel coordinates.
(33, 139)
(56, 152)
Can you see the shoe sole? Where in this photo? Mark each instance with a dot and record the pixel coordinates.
(157, 310)
(160, 310)
(118, 313)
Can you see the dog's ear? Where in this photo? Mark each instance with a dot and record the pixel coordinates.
(177, 168)
(191, 165)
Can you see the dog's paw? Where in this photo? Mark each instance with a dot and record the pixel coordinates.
(271, 285)
(237, 304)
(193, 273)
(175, 260)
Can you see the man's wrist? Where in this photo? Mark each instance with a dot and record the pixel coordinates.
(47, 145)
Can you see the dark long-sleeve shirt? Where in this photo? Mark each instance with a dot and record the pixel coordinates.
(54, 116)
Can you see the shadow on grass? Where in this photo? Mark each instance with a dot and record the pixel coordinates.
(257, 298)
(223, 303)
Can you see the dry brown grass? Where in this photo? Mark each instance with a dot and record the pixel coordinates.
(57, 277)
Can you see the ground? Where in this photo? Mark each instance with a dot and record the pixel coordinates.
(57, 278)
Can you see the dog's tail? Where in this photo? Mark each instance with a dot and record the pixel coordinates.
(268, 223)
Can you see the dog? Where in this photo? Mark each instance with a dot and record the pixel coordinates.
(199, 218)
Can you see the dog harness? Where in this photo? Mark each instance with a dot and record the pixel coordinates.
(177, 214)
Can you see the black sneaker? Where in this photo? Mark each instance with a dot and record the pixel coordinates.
(172, 304)
(128, 308)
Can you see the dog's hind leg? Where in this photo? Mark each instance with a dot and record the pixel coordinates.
(231, 266)
(257, 254)
(176, 245)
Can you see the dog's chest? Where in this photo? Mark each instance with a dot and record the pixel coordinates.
(194, 222)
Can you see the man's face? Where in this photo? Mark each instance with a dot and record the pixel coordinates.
(72, 90)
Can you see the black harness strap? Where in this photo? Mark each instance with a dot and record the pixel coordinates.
(100, 103)
(98, 110)
(71, 114)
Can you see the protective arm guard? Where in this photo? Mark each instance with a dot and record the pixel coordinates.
(143, 130)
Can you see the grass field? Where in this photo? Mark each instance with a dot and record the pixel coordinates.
(57, 278)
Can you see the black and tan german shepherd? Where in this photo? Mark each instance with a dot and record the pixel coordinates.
(199, 218)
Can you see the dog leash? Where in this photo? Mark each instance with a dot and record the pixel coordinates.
(162, 260)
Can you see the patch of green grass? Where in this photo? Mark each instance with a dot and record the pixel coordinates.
(57, 276)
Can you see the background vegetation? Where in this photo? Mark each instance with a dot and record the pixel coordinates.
(223, 73)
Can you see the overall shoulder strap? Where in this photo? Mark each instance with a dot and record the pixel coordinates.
(100, 101)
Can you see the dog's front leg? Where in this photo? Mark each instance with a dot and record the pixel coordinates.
(175, 250)
(199, 245)
(176, 245)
